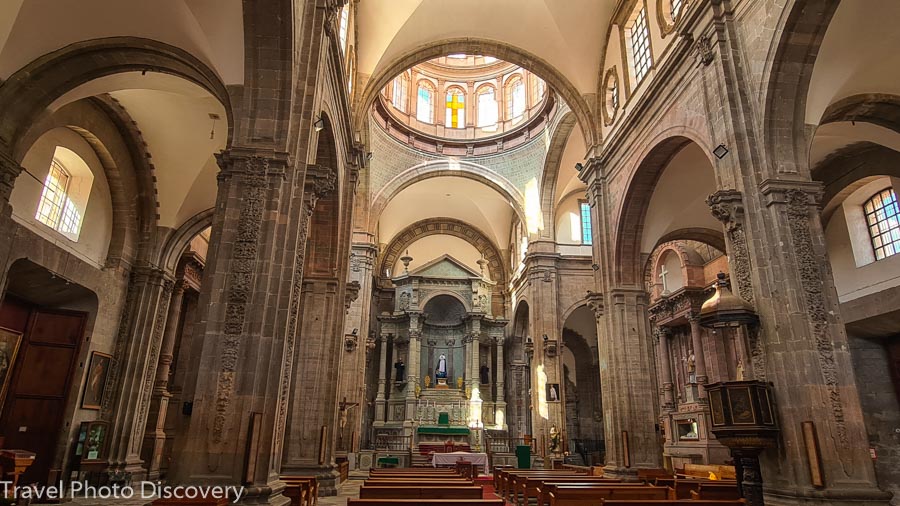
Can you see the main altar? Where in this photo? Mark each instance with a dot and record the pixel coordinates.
(440, 369)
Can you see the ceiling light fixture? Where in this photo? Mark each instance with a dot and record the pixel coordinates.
(319, 125)
(720, 151)
(579, 167)
(214, 117)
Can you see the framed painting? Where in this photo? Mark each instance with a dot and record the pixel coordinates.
(95, 384)
(9, 350)
(553, 392)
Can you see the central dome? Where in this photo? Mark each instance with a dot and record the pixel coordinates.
(463, 99)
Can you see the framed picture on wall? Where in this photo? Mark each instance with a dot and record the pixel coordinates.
(9, 349)
(95, 384)
(553, 392)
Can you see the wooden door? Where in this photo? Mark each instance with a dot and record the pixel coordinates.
(41, 379)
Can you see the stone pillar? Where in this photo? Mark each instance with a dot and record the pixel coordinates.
(134, 366)
(412, 363)
(500, 399)
(9, 171)
(155, 437)
(699, 352)
(383, 386)
(665, 368)
(630, 398)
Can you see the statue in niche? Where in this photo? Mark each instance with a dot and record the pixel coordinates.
(484, 374)
(404, 301)
(483, 302)
(400, 369)
(740, 370)
(441, 371)
(691, 368)
(427, 381)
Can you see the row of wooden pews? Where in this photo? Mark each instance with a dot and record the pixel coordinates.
(301, 490)
(570, 487)
(421, 487)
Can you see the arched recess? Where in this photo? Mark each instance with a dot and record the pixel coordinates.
(877, 108)
(550, 174)
(848, 169)
(631, 216)
(432, 301)
(518, 377)
(444, 226)
(474, 45)
(322, 255)
(714, 238)
(581, 377)
(446, 168)
(28, 92)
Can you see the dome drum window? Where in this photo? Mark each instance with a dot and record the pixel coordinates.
(883, 220)
(611, 93)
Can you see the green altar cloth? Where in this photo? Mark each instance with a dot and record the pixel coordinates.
(447, 431)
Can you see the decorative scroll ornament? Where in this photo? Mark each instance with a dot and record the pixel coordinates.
(595, 303)
(703, 51)
(798, 205)
(727, 206)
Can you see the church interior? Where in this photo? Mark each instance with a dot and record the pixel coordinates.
(311, 248)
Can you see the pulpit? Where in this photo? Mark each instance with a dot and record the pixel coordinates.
(14, 463)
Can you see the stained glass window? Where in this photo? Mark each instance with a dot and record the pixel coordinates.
(425, 104)
(586, 237)
(456, 108)
(883, 220)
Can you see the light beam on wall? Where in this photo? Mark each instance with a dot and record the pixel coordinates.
(534, 219)
(543, 408)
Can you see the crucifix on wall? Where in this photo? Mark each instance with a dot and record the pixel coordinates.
(663, 272)
(455, 104)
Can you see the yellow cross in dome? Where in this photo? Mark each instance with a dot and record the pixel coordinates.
(455, 104)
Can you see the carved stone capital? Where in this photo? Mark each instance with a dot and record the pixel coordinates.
(595, 303)
(351, 294)
(332, 9)
(9, 171)
(253, 165)
(703, 50)
(727, 206)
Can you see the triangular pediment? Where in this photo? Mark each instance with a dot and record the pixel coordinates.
(445, 266)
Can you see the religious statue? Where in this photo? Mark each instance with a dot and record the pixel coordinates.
(441, 371)
(484, 374)
(692, 374)
(343, 409)
(427, 381)
(404, 301)
(459, 382)
(554, 439)
(418, 391)
(400, 369)
(740, 370)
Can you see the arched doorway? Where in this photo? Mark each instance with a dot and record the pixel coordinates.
(581, 386)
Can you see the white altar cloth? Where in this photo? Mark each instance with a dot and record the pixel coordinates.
(449, 459)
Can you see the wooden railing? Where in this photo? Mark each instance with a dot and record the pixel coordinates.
(507, 444)
(393, 443)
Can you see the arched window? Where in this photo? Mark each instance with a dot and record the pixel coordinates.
(401, 88)
(638, 32)
(883, 219)
(539, 88)
(517, 99)
(488, 112)
(586, 234)
(64, 197)
(345, 27)
(425, 103)
(456, 108)
(611, 99)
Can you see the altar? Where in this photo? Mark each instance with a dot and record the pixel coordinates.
(441, 357)
(479, 460)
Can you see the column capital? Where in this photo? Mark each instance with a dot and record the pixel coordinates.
(595, 303)
(252, 163)
(799, 196)
(727, 206)
(9, 171)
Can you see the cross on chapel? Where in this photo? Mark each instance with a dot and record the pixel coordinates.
(454, 104)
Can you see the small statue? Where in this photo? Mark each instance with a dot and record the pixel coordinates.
(459, 382)
(400, 369)
(740, 370)
(554, 439)
(427, 381)
(484, 374)
(418, 391)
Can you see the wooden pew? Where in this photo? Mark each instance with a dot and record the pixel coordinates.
(301, 490)
(673, 502)
(418, 483)
(594, 496)
(543, 491)
(528, 486)
(508, 480)
(721, 471)
(716, 491)
(425, 502)
(685, 486)
(649, 475)
(423, 492)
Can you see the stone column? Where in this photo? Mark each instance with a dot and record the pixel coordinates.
(412, 363)
(699, 352)
(9, 171)
(381, 395)
(155, 437)
(630, 399)
(665, 368)
(500, 399)
(134, 366)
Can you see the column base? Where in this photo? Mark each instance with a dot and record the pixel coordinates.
(839, 497)
(271, 495)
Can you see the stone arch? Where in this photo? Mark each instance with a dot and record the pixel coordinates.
(444, 226)
(550, 174)
(633, 209)
(877, 108)
(437, 293)
(799, 34)
(438, 168)
(714, 238)
(850, 168)
(28, 92)
(497, 49)
(175, 244)
(691, 263)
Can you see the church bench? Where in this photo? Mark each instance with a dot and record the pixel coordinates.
(594, 496)
(702, 470)
(528, 487)
(423, 492)
(302, 490)
(419, 483)
(649, 475)
(425, 502)
(542, 494)
(510, 482)
(684, 486)
(717, 491)
(673, 502)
